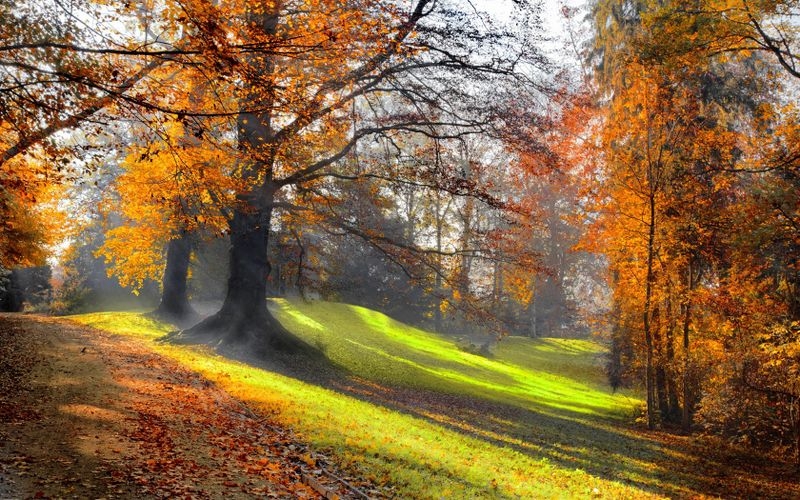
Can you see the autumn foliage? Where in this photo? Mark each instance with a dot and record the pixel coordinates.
(697, 215)
(656, 199)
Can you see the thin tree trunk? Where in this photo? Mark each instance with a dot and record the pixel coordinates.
(466, 231)
(795, 417)
(661, 379)
(686, 421)
(438, 281)
(299, 284)
(437, 313)
(534, 319)
(673, 408)
(648, 335)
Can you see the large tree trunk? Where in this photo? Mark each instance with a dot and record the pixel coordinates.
(174, 305)
(244, 320)
(243, 315)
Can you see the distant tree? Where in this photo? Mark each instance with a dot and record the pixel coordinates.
(84, 282)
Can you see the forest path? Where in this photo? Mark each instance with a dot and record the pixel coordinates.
(86, 414)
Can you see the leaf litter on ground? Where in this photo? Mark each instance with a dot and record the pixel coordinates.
(90, 414)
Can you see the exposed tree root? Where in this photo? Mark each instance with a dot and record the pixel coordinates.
(257, 339)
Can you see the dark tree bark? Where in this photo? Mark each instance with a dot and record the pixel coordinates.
(674, 410)
(689, 397)
(299, 284)
(174, 305)
(648, 335)
(661, 379)
(244, 320)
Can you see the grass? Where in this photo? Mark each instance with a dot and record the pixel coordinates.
(546, 375)
(541, 427)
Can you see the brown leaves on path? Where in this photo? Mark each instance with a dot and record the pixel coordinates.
(88, 414)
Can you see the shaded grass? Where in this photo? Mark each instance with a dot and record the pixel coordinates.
(529, 423)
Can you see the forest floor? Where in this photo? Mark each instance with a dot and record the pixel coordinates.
(89, 414)
(85, 414)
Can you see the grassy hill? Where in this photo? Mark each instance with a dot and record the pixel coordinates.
(543, 374)
(534, 420)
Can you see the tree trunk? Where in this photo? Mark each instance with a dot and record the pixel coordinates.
(672, 384)
(533, 314)
(463, 279)
(794, 412)
(661, 378)
(299, 282)
(648, 335)
(438, 295)
(244, 320)
(686, 411)
(174, 305)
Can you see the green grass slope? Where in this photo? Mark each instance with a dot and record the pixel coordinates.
(552, 375)
(531, 422)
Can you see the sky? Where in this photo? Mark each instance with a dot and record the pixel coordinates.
(553, 21)
(551, 11)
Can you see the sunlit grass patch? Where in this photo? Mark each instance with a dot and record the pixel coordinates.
(544, 374)
(421, 457)
(126, 323)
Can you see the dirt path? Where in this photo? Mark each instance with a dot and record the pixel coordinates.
(84, 414)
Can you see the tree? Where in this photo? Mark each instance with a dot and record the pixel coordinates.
(172, 191)
(686, 90)
(754, 304)
(556, 181)
(294, 115)
(668, 139)
(738, 27)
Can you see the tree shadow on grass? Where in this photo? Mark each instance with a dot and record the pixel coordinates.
(655, 462)
(602, 447)
(565, 439)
